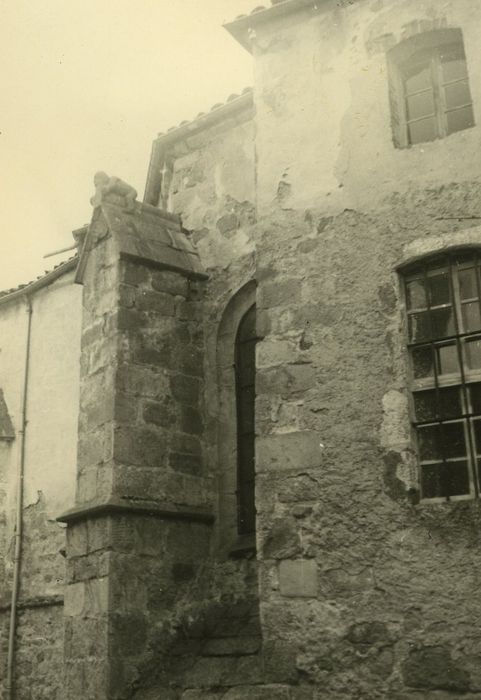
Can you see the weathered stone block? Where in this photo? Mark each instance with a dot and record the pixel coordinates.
(142, 381)
(183, 572)
(158, 302)
(131, 319)
(127, 296)
(433, 668)
(140, 446)
(281, 292)
(186, 463)
(298, 578)
(188, 444)
(366, 634)
(194, 694)
(191, 421)
(134, 273)
(125, 409)
(185, 389)
(279, 660)
(74, 599)
(232, 646)
(128, 634)
(282, 541)
(170, 282)
(77, 543)
(286, 381)
(296, 450)
(161, 414)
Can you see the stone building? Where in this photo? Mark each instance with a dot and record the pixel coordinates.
(316, 537)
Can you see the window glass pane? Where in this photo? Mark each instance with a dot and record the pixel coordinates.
(467, 283)
(457, 94)
(422, 362)
(421, 105)
(429, 405)
(441, 480)
(453, 62)
(448, 360)
(475, 396)
(472, 349)
(429, 443)
(450, 405)
(477, 435)
(454, 440)
(424, 130)
(431, 481)
(417, 76)
(439, 289)
(419, 327)
(471, 316)
(442, 321)
(456, 479)
(416, 294)
(460, 119)
(425, 406)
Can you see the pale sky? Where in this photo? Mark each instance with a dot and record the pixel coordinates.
(86, 85)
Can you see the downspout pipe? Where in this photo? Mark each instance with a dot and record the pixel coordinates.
(18, 536)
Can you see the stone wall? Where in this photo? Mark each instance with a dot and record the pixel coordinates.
(373, 592)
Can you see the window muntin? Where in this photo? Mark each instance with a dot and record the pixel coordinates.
(433, 94)
(443, 304)
(245, 400)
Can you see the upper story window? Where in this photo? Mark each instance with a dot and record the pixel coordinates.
(443, 304)
(245, 366)
(429, 87)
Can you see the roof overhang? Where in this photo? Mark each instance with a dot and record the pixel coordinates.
(241, 26)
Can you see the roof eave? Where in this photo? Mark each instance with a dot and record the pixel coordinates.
(48, 278)
(206, 120)
(239, 28)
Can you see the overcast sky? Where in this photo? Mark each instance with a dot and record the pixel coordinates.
(86, 85)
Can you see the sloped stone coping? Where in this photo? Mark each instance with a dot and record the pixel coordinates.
(116, 506)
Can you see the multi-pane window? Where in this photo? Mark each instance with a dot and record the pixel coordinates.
(245, 366)
(443, 302)
(433, 95)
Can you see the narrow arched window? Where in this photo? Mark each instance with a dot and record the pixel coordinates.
(443, 305)
(245, 366)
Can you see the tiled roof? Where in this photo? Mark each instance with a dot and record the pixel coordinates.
(232, 101)
(41, 281)
(240, 26)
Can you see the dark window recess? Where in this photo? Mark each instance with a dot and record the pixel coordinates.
(429, 88)
(245, 365)
(443, 304)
